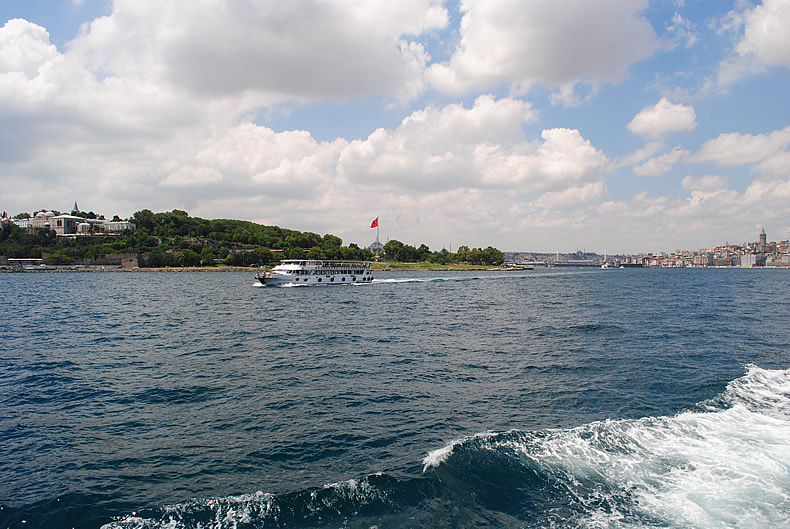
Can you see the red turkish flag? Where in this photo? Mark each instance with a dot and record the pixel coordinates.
(375, 223)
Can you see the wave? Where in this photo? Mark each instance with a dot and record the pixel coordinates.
(723, 463)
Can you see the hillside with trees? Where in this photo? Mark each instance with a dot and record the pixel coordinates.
(176, 239)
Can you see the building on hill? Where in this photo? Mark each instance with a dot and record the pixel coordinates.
(72, 225)
(65, 224)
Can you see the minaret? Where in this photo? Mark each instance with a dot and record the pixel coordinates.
(763, 244)
(76, 208)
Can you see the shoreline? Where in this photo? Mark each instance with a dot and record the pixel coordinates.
(394, 267)
(179, 269)
(381, 268)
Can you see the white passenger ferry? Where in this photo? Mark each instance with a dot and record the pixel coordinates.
(309, 272)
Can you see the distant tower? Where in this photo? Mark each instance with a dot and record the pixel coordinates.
(763, 244)
(76, 208)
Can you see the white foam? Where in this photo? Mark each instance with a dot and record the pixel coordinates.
(726, 467)
(228, 512)
(440, 455)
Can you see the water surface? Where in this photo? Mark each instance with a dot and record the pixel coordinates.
(546, 398)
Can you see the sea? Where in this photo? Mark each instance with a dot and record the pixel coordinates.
(548, 398)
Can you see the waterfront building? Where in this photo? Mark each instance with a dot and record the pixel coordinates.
(752, 259)
(703, 259)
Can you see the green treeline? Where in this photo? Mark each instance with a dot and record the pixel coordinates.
(176, 239)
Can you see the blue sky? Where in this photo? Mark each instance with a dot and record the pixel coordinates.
(617, 125)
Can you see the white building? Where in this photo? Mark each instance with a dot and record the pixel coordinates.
(42, 220)
(65, 225)
(118, 226)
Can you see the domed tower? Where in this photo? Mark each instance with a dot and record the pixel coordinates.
(763, 243)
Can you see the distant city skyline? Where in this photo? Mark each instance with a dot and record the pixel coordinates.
(623, 126)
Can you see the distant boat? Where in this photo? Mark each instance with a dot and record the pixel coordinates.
(311, 272)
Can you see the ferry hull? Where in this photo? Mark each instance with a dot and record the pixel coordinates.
(325, 281)
(316, 273)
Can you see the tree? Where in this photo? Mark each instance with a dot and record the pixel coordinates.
(474, 256)
(492, 256)
(408, 254)
(207, 256)
(331, 241)
(393, 249)
(237, 259)
(144, 219)
(187, 257)
(330, 246)
(442, 257)
(316, 253)
(59, 257)
(293, 253)
(460, 254)
(5, 233)
(262, 255)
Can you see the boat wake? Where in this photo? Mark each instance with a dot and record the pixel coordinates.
(437, 279)
(722, 464)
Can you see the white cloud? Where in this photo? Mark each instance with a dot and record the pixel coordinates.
(639, 155)
(482, 147)
(569, 96)
(509, 41)
(438, 148)
(564, 160)
(661, 165)
(765, 40)
(304, 49)
(681, 32)
(771, 195)
(775, 166)
(24, 48)
(706, 183)
(663, 118)
(186, 176)
(767, 33)
(732, 149)
(588, 192)
(709, 215)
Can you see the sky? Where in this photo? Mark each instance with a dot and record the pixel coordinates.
(618, 126)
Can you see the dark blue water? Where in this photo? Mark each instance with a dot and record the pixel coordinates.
(548, 398)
